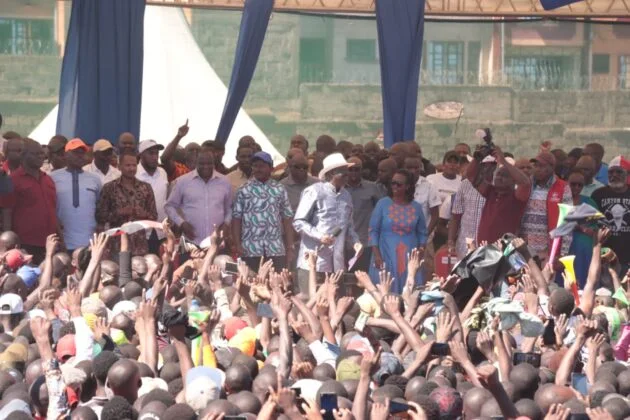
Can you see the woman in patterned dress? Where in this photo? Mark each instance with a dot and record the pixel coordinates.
(397, 226)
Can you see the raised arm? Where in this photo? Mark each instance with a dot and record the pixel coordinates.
(168, 154)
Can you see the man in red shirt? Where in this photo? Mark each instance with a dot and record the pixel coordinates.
(505, 204)
(30, 210)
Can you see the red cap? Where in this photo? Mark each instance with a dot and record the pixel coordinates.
(66, 347)
(14, 259)
(233, 325)
(76, 144)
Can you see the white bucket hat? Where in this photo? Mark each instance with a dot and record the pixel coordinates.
(333, 161)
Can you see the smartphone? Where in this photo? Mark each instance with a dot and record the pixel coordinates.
(581, 416)
(439, 349)
(359, 325)
(579, 382)
(231, 268)
(264, 311)
(328, 404)
(531, 358)
(398, 407)
(549, 335)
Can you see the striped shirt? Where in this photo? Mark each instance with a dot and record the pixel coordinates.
(534, 228)
(469, 203)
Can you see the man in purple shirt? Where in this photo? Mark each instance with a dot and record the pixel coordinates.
(200, 200)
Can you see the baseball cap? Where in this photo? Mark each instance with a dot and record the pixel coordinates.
(75, 144)
(102, 145)
(264, 156)
(149, 144)
(546, 157)
(15, 259)
(11, 304)
(29, 275)
(621, 162)
(66, 347)
(245, 341)
(203, 384)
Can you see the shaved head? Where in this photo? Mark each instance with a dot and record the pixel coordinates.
(123, 379)
(9, 240)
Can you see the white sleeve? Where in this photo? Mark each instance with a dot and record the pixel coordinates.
(83, 339)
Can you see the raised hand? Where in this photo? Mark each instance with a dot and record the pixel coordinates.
(380, 411)
(391, 305)
(40, 328)
(242, 286)
(558, 412)
(323, 307)
(444, 326)
(370, 365)
(52, 244)
(101, 328)
(385, 282)
(488, 376)
(485, 345)
(98, 245)
(560, 328)
(603, 235)
(183, 130)
(311, 259)
(598, 414)
(280, 304)
(265, 267)
(415, 260)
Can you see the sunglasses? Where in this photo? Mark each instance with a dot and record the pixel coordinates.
(397, 184)
(300, 167)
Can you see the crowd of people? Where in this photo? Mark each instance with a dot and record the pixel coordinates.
(349, 282)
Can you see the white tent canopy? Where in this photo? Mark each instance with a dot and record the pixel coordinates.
(178, 84)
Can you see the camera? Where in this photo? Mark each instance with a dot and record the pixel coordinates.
(485, 148)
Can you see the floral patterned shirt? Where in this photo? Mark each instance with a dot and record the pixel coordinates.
(262, 207)
(115, 197)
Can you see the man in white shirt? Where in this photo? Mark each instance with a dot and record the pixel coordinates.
(101, 164)
(149, 172)
(448, 181)
(426, 194)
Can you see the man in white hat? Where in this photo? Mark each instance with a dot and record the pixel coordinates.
(324, 220)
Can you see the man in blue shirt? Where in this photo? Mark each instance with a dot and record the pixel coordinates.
(596, 151)
(77, 194)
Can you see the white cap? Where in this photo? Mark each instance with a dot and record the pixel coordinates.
(11, 304)
(489, 159)
(124, 306)
(149, 144)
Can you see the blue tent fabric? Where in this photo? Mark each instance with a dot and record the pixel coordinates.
(554, 4)
(400, 25)
(100, 91)
(251, 35)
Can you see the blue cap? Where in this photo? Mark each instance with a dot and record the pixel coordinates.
(264, 156)
(29, 275)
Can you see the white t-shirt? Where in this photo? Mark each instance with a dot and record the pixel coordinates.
(446, 187)
(427, 196)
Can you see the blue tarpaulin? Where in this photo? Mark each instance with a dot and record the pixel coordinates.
(400, 25)
(251, 35)
(100, 92)
(554, 4)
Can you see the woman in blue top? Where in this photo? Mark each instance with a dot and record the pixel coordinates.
(397, 226)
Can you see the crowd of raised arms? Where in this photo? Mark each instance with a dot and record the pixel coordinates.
(348, 282)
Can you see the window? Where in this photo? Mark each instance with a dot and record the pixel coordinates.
(624, 71)
(601, 63)
(538, 72)
(445, 63)
(315, 65)
(361, 50)
(27, 37)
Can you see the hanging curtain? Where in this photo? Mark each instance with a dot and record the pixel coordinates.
(400, 25)
(101, 76)
(251, 35)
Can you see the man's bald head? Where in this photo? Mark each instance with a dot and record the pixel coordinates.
(474, 401)
(110, 295)
(293, 153)
(126, 141)
(237, 379)
(123, 379)
(9, 240)
(33, 371)
(588, 166)
(552, 394)
(386, 169)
